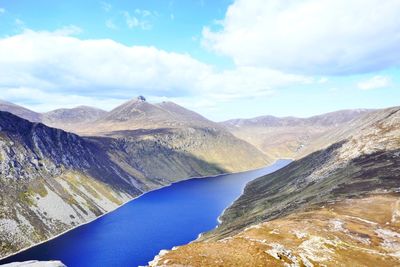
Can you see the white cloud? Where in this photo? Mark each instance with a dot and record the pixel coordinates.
(67, 30)
(131, 21)
(141, 19)
(375, 82)
(106, 6)
(58, 65)
(42, 101)
(310, 36)
(2, 10)
(19, 23)
(111, 25)
(143, 12)
(323, 80)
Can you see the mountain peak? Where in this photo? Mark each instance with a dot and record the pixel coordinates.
(20, 111)
(141, 98)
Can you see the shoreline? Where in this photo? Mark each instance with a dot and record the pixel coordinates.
(134, 198)
(219, 221)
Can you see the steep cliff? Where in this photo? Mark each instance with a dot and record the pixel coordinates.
(51, 180)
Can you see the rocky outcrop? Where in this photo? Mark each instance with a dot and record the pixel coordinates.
(356, 232)
(35, 264)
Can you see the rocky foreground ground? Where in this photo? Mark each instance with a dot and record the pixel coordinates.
(355, 232)
(335, 207)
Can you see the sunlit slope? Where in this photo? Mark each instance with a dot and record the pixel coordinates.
(291, 213)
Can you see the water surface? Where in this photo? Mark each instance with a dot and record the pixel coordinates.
(133, 234)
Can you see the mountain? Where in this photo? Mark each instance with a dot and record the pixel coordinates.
(179, 129)
(290, 137)
(162, 125)
(327, 119)
(140, 114)
(20, 111)
(336, 206)
(79, 115)
(52, 180)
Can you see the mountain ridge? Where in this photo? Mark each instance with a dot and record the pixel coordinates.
(291, 137)
(329, 118)
(52, 180)
(316, 210)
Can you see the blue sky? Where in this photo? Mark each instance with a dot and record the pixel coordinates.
(224, 59)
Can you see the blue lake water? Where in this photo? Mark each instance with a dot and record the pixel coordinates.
(134, 233)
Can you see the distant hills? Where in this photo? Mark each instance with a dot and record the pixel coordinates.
(72, 119)
(290, 137)
(327, 119)
(20, 111)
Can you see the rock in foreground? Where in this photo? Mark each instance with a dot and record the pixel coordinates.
(356, 232)
(35, 264)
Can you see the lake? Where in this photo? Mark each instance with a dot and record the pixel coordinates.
(134, 233)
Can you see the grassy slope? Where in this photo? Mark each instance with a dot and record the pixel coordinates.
(364, 160)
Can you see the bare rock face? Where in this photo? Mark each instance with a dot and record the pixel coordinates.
(52, 181)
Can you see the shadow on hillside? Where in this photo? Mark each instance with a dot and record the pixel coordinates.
(157, 164)
(138, 132)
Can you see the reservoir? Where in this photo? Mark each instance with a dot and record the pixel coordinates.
(134, 233)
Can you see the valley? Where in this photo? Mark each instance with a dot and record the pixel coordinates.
(138, 230)
(54, 180)
(240, 133)
(291, 137)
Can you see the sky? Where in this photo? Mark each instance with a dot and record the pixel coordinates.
(223, 59)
